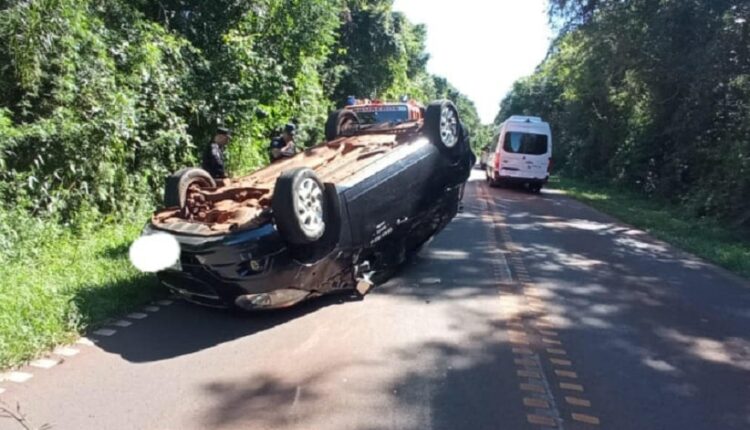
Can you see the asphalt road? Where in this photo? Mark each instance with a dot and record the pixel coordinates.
(529, 311)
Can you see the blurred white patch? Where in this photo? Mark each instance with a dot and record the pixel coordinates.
(154, 252)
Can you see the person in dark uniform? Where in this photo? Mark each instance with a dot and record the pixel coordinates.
(283, 146)
(213, 156)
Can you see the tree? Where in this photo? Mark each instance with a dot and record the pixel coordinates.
(650, 94)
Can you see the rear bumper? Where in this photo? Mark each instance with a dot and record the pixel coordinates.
(521, 180)
(497, 177)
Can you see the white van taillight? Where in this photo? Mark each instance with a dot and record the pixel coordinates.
(497, 162)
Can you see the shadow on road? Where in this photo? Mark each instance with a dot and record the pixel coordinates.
(660, 339)
(184, 328)
(663, 329)
(652, 328)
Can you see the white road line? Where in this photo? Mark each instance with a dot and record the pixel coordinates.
(137, 315)
(17, 377)
(66, 351)
(105, 332)
(122, 323)
(151, 308)
(45, 363)
(86, 341)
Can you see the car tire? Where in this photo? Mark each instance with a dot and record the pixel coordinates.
(443, 127)
(177, 184)
(339, 121)
(299, 206)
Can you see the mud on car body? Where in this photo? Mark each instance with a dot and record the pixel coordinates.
(339, 216)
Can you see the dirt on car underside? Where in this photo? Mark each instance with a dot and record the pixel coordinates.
(244, 202)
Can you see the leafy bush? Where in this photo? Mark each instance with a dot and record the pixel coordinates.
(100, 100)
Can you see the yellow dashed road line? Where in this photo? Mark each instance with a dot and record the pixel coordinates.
(544, 411)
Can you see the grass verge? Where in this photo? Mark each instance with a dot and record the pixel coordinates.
(72, 283)
(705, 237)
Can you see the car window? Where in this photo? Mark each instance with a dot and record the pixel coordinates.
(381, 115)
(525, 143)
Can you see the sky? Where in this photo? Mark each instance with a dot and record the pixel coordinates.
(482, 46)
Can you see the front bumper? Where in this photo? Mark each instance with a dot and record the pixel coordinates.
(250, 269)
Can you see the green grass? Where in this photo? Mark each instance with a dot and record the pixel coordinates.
(74, 282)
(708, 238)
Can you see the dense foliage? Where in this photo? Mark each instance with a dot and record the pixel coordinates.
(100, 100)
(653, 94)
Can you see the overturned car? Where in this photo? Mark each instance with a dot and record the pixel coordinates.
(339, 216)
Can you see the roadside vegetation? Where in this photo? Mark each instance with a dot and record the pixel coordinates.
(653, 96)
(100, 100)
(649, 103)
(709, 238)
(75, 280)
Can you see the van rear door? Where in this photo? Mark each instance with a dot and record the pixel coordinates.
(525, 152)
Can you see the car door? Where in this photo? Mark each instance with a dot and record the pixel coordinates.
(385, 201)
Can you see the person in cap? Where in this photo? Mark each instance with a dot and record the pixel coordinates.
(283, 146)
(213, 156)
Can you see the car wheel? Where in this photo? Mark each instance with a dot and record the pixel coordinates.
(339, 122)
(299, 206)
(442, 126)
(175, 190)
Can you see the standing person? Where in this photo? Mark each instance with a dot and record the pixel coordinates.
(283, 146)
(213, 156)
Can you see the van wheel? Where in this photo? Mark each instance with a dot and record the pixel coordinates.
(339, 122)
(175, 190)
(299, 206)
(442, 126)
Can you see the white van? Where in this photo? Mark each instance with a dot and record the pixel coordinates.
(522, 153)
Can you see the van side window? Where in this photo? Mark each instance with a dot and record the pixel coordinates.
(525, 143)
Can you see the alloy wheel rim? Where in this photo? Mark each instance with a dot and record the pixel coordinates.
(310, 207)
(448, 127)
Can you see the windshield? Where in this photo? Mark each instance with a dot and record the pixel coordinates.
(381, 114)
(525, 143)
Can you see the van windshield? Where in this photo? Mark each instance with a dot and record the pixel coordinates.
(525, 143)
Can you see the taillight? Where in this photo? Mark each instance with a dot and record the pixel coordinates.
(497, 161)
